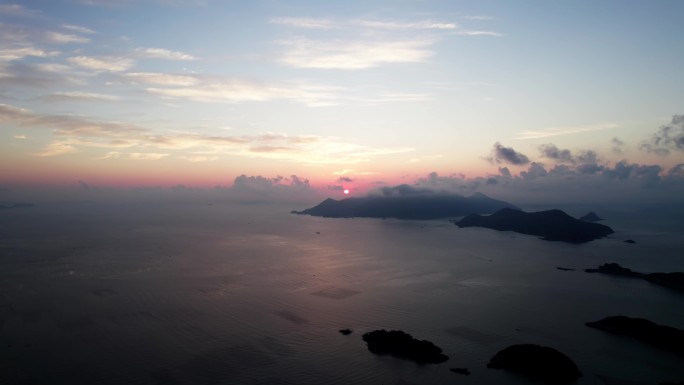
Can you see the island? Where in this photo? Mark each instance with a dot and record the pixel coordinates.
(551, 225)
(591, 217)
(540, 363)
(665, 337)
(424, 206)
(673, 280)
(402, 345)
(463, 371)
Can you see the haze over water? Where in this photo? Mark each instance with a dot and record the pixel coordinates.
(229, 294)
(151, 151)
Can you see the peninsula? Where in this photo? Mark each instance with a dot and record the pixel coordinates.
(673, 280)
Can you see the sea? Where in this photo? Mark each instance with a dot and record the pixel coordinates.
(225, 293)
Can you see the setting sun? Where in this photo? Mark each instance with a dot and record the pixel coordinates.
(346, 191)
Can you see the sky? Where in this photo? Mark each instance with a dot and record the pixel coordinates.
(539, 96)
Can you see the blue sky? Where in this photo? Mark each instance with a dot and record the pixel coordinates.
(199, 92)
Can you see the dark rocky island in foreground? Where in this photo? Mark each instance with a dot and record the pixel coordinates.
(673, 281)
(426, 205)
(662, 336)
(537, 362)
(552, 225)
(399, 344)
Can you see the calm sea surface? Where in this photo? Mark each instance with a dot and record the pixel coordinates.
(228, 294)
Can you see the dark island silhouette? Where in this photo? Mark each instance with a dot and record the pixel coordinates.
(419, 206)
(399, 344)
(591, 217)
(551, 225)
(665, 337)
(540, 363)
(463, 371)
(673, 280)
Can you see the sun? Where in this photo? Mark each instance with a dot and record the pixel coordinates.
(346, 191)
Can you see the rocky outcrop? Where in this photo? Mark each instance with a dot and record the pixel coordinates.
(537, 362)
(399, 344)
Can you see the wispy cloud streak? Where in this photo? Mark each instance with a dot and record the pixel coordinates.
(559, 131)
(353, 55)
(74, 132)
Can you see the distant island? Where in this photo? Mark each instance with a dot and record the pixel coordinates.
(662, 336)
(419, 206)
(591, 217)
(552, 225)
(673, 281)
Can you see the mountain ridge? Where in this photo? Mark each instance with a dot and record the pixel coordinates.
(423, 206)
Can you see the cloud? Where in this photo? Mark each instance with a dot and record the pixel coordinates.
(16, 10)
(344, 179)
(163, 79)
(344, 172)
(478, 17)
(105, 63)
(10, 54)
(199, 158)
(133, 155)
(423, 24)
(72, 132)
(66, 124)
(425, 158)
(677, 171)
(303, 22)
(624, 182)
(405, 190)
(217, 90)
(78, 28)
(670, 137)
(262, 184)
(354, 55)
(477, 33)
(584, 157)
(535, 170)
(395, 97)
(79, 96)
(313, 23)
(501, 154)
(64, 38)
(54, 149)
(257, 188)
(552, 152)
(44, 74)
(625, 170)
(558, 131)
(165, 54)
(617, 145)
